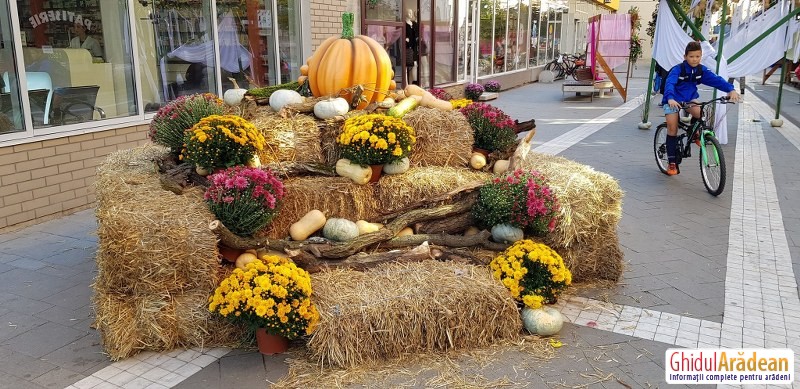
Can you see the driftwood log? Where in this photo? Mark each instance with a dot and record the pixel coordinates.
(451, 225)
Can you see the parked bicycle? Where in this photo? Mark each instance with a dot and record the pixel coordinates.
(566, 65)
(712, 160)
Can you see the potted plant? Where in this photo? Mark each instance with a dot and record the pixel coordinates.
(492, 86)
(473, 91)
(494, 130)
(521, 199)
(375, 140)
(220, 141)
(172, 121)
(272, 297)
(244, 199)
(533, 272)
(440, 94)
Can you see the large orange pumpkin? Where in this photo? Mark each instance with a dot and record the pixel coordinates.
(343, 62)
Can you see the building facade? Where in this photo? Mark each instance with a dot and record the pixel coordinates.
(80, 79)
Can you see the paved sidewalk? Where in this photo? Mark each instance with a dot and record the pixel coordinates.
(701, 271)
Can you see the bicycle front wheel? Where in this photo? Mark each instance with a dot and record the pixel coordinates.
(660, 147)
(712, 165)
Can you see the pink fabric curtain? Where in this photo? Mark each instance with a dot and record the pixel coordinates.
(610, 36)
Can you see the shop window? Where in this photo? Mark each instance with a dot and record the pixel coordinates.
(383, 10)
(501, 49)
(535, 23)
(10, 108)
(77, 60)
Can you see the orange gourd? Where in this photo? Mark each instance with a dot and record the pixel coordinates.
(345, 61)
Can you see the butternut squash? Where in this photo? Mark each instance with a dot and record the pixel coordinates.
(307, 225)
(360, 175)
(365, 227)
(472, 230)
(428, 99)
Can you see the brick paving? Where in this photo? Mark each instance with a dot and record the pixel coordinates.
(701, 271)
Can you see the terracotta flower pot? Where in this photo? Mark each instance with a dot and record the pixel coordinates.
(228, 253)
(377, 170)
(269, 344)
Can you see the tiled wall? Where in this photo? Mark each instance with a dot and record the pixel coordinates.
(326, 18)
(46, 179)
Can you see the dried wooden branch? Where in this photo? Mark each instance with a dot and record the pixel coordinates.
(440, 239)
(449, 225)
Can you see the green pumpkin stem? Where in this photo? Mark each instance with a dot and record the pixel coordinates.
(347, 25)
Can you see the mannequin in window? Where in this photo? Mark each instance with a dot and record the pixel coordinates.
(83, 41)
(412, 45)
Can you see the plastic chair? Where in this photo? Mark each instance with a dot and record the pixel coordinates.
(77, 104)
(41, 81)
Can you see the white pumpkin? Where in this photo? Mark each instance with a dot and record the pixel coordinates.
(506, 233)
(331, 107)
(397, 167)
(243, 259)
(255, 161)
(201, 171)
(282, 97)
(234, 96)
(478, 161)
(340, 230)
(543, 321)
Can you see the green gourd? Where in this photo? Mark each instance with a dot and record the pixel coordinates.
(506, 233)
(543, 321)
(404, 107)
(397, 167)
(340, 230)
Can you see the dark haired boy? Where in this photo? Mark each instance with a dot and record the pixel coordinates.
(681, 87)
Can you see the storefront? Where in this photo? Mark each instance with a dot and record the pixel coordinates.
(81, 78)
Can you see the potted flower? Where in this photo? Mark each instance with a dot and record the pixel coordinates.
(220, 141)
(244, 199)
(173, 120)
(491, 86)
(520, 199)
(533, 272)
(375, 140)
(272, 297)
(460, 103)
(494, 130)
(472, 91)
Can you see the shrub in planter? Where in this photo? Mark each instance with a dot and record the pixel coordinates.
(492, 86)
(520, 198)
(472, 91)
(533, 272)
(220, 141)
(376, 139)
(440, 94)
(173, 120)
(244, 199)
(494, 130)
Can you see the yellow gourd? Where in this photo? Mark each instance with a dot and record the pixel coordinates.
(472, 230)
(341, 62)
(500, 166)
(307, 225)
(365, 227)
(478, 161)
(245, 258)
(405, 232)
(360, 175)
(428, 99)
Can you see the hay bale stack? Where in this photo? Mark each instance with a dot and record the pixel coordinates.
(400, 309)
(157, 260)
(591, 208)
(444, 138)
(289, 139)
(334, 196)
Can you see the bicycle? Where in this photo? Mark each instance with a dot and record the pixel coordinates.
(712, 159)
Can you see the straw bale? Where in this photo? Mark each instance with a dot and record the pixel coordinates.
(399, 309)
(158, 322)
(396, 191)
(591, 201)
(334, 196)
(296, 138)
(591, 207)
(444, 138)
(127, 172)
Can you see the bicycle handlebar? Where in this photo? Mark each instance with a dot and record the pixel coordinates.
(689, 104)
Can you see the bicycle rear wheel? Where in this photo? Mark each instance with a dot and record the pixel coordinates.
(660, 147)
(712, 165)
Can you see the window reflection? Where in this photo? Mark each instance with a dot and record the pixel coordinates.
(10, 110)
(77, 60)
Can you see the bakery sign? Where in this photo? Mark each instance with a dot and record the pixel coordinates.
(59, 16)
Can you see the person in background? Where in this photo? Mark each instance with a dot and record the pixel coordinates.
(83, 41)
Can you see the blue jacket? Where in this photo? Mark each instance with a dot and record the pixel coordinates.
(687, 90)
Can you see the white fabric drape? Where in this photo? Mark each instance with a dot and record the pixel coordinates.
(670, 40)
(764, 53)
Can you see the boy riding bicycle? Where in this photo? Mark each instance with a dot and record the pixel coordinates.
(681, 87)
